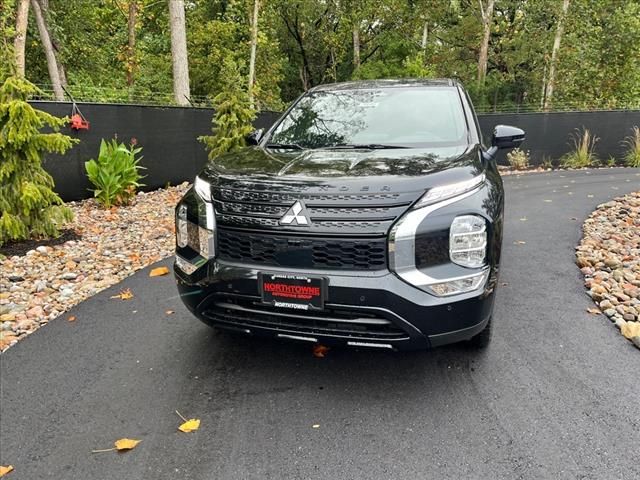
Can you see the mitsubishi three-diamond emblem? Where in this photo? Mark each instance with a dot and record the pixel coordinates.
(295, 215)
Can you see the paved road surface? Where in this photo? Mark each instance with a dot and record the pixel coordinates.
(557, 395)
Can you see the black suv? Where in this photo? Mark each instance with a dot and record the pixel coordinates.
(369, 215)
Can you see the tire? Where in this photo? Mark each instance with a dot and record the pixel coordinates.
(481, 340)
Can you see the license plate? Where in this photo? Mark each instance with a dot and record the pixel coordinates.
(293, 291)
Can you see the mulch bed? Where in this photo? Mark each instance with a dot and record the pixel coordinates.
(20, 248)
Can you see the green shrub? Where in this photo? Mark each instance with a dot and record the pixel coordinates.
(583, 155)
(115, 174)
(233, 115)
(632, 156)
(28, 205)
(518, 159)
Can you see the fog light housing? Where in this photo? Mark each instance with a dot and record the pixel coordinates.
(459, 285)
(468, 241)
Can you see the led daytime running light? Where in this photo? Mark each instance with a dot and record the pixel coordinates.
(437, 194)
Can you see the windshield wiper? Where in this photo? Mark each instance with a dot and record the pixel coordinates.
(369, 146)
(288, 146)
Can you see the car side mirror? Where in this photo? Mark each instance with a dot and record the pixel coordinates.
(505, 136)
(254, 137)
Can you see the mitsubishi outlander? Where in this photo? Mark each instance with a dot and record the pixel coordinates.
(369, 215)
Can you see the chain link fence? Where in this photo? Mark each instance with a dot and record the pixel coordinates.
(93, 94)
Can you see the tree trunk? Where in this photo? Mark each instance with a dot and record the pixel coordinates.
(52, 64)
(179, 60)
(44, 7)
(544, 86)
(22, 20)
(425, 37)
(487, 16)
(131, 47)
(554, 56)
(254, 46)
(356, 47)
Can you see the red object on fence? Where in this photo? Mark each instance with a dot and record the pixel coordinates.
(79, 123)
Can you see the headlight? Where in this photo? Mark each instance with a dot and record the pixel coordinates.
(468, 241)
(443, 192)
(195, 228)
(182, 229)
(203, 189)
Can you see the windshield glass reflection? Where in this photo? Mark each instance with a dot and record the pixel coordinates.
(407, 117)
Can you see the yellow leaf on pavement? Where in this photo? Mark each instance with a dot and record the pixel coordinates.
(72, 318)
(5, 469)
(630, 330)
(125, 294)
(158, 272)
(190, 425)
(126, 444)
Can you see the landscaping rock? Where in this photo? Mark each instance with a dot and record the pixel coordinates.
(48, 280)
(609, 258)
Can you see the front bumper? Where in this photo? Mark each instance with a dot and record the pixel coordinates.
(367, 309)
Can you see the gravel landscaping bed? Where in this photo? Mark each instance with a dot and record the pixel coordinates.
(98, 249)
(609, 258)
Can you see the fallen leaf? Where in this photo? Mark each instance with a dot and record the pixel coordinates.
(72, 318)
(520, 242)
(124, 294)
(170, 312)
(315, 426)
(504, 284)
(126, 444)
(548, 201)
(595, 311)
(523, 219)
(630, 330)
(190, 425)
(121, 445)
(589, 196)
(5, 469)
(158, 272)
(319, 351)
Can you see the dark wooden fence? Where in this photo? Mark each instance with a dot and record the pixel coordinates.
(172, 154)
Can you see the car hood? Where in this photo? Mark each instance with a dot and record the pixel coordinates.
(328, 166)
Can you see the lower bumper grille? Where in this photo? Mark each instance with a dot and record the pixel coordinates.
(336, 322)
(290, 251)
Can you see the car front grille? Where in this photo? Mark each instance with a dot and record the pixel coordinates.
(344, 230)
(249, 313)
(362, 214)
(302, 252)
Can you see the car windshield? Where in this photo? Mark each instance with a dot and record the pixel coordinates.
(383, 117)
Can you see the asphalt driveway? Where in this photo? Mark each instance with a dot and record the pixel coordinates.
(555, 396)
